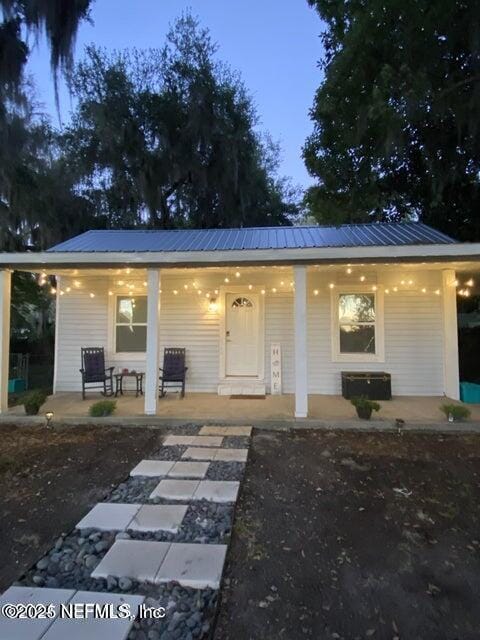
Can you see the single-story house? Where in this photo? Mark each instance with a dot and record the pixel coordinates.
(258, 310)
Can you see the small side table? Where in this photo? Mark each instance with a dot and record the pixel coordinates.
(138, 382)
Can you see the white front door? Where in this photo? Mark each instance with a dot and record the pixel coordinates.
(241, 334)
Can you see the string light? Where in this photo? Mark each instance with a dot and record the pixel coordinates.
(53, 290)
(274, 290)
(424, 290)
(68, 289)
(237, 274)
(331, 285)
(77, 283)
(185, 286)
(120, 283)
(250, 286)
(62, 293)
(470, 282)
(437, 292)
(199, 291)
(262, 292)
(110, 293)
(349, 270)
(216, 292)
(374, 287)
(362, 278)
(175, 292)
(281, 283)
(315, 292)
(395, 289)
(144, 284)
(92, 295)
(226, 280)
(387, 291)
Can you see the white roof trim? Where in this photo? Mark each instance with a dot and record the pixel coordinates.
(456, 251)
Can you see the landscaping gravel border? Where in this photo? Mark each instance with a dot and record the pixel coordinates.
(190, 612)
(219, 470)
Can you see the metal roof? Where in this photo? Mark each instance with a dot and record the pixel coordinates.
(311, 237)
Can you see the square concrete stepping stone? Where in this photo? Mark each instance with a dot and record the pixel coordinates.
(189, 470)
(109, 516)
(152, 468)
(95, 628)
(175, 489)
(172, 441)
(199, 453)
(217, 490)
(193, 565)
(137, 559)
(225, 431)
(30, 629)
(164, 517)
(231, 455)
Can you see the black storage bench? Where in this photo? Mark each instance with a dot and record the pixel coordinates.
(375, 385)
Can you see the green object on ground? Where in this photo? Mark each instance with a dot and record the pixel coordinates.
(455, 412)
(16, 385)
(102, 408)
(364, 407)
(470, 392)
(33, 401)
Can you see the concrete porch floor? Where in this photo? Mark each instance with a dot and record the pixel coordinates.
(211, 407)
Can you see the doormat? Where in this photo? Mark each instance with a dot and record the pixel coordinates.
(247, 397)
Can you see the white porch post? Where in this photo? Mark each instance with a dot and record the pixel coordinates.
(153, 341)
(450, 335)
(5, 293)
(300, 313)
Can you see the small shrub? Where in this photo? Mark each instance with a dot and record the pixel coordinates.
(33, 401)
(364, 407)
(457, 411)
(102, 408)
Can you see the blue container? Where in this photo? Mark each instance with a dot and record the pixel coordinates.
(470, 392)
(16, 385)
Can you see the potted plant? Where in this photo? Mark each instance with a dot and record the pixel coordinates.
(33, 401)
(364, 407)
(102, 408)
(455, 412)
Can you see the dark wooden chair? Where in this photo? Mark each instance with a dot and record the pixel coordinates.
(173, 371)
(94, 371)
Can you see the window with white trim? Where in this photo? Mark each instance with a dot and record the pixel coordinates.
(357, 326)
(131, 324)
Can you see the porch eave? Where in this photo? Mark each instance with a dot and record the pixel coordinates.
(455, 252)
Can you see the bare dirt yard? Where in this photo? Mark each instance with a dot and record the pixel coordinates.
(50, 478)
(356, 535)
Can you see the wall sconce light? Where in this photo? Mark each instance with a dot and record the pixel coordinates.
(212, 305)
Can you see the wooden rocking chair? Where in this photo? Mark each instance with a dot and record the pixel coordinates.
(94, 372)
(173, 371)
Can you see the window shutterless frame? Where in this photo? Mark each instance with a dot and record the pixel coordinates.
(116, 324)
(378, 297)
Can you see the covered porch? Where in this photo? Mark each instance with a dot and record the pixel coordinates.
(281, 324)
(210, 407)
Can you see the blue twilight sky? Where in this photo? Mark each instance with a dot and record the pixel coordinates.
(274, 44)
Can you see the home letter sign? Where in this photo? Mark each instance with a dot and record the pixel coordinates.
(276, 369)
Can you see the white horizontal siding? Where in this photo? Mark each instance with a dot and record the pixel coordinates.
(185, 321)
(413, 338)
(413, 330)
